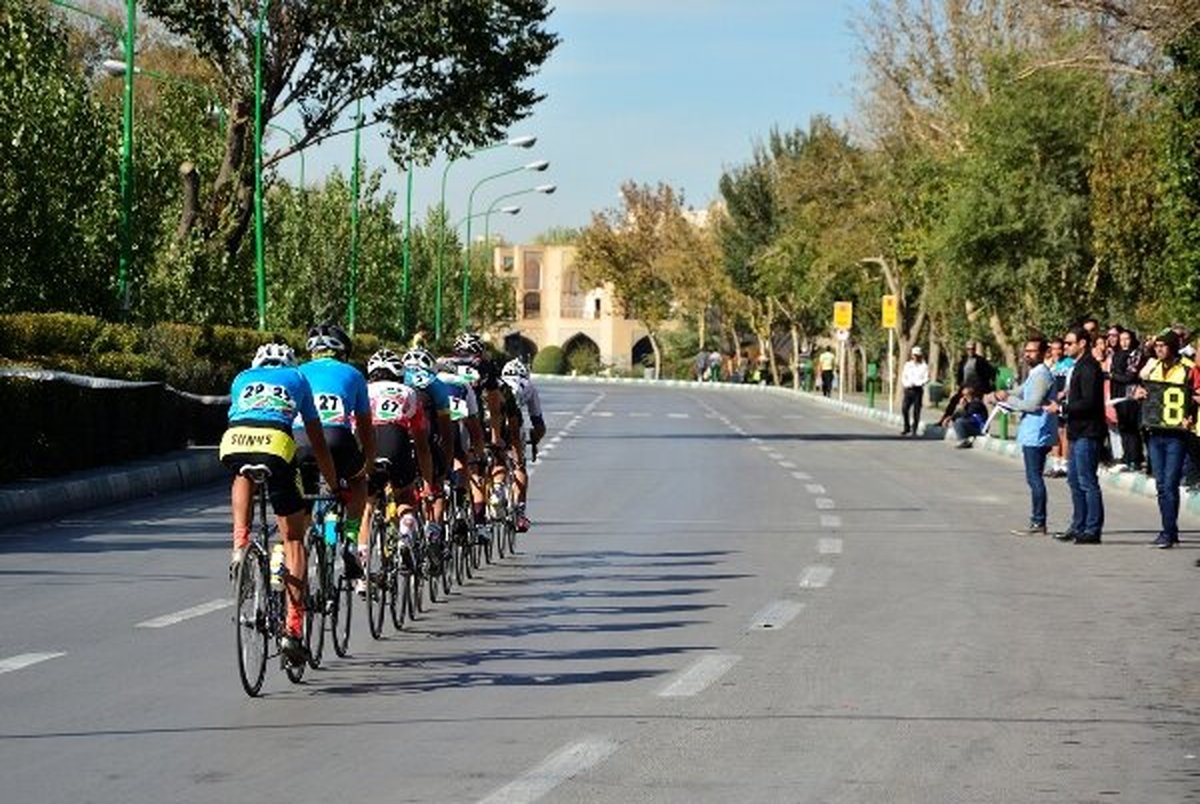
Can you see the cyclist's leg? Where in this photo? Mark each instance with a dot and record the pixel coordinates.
(284, 488)
(241, 499)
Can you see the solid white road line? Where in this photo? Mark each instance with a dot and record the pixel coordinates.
(831, 521)
(186, 614)
(824, 503)
(815, 577)
(814, 488)
(25, 660)
(562, 765)
(802, 475)
(776, 615)
(697, 677)
(829, 547)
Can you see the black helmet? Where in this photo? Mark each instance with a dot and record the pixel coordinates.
(329, 337)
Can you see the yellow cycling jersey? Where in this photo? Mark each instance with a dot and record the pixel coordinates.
(261, 440)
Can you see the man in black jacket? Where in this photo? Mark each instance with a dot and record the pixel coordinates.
(974, 371)
(1083, 408)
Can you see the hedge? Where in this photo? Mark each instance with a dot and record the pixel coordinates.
(550, 360)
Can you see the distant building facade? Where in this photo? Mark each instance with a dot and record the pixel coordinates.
(555, 307)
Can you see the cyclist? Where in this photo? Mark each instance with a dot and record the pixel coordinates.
(516, 376)
(435, 400)
(480, 371)
(401, 436)
(340, 393)
(265, 400)
(466, 429)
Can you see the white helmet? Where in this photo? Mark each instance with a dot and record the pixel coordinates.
(418, 358)
(515, 368)
(274, 354)
(469, 343)
(385, 361)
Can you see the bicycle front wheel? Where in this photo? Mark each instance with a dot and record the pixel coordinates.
(343, 609)
(317, 613)
(250, 619)
(377, 581)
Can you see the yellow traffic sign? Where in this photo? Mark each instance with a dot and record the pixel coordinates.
(889, 312)
(843, 315)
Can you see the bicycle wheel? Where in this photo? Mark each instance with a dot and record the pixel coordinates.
(250, 619)
(512, 537)
(498, 537)
(343, 610)
(317, 612)
(377, 572)
(398, 596)
(295, 672)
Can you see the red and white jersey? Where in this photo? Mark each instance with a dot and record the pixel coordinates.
(394, 403)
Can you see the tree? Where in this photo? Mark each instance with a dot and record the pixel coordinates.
(58, 222)
(443, 76)
(625, 249)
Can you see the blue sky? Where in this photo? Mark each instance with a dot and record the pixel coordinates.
(649, 90)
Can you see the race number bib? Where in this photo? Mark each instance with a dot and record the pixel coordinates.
(1165, 406)
(331, 410)
(263, 396)
(458, 409)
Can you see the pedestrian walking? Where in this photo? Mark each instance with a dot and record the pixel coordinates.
(826, 360)
(913, 379)
(1037, 431)
(1083, 407)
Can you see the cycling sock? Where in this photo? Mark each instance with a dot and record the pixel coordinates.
(241, 537)
(295, 619)
(350, 529)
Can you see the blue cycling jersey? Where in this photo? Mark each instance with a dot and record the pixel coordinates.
(439, 392)
(271, 395)
(339, 391)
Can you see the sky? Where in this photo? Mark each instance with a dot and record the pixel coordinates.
(646, 90)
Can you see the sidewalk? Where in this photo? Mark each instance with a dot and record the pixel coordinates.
(34, 500)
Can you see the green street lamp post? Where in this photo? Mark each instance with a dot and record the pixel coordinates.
(538, 166)
(260, 272)
(354, 179)
(516, 142)
(547, 189)
(118, 69)
(127, 39)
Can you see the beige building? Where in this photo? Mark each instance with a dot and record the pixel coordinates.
(554, 307)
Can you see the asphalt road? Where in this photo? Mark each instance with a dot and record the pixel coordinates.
(725, 597)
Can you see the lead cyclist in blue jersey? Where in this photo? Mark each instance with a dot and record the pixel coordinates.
(265, 399)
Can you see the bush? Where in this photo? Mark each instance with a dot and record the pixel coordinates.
(583, 361)
(29, 334)
(550, 360)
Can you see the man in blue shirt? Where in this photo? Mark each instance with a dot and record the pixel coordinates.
(1038, 430)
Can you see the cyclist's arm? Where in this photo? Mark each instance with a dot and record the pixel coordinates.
(475, 431)
(366, 434)
(495, 404)
(445, 434)
(316, 437)
(419, 433)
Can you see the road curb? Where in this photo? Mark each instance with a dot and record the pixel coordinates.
(38, 500)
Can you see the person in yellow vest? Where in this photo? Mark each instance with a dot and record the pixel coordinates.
(1169, 412)
(826, 360)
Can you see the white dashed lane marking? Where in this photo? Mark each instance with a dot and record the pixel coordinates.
(562, 765)
(831, 521)
(829, 547)
(26, 660)
(678, 415)
(186, 614)
(802, 475)
(776, 615)
(824, 503)
(786, 465)
(814, 488)
(815, 577)
(602, 414)
(701, 674)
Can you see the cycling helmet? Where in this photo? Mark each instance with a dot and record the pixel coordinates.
(515, 368)
(274, 354)
(385, 361)
(418, 377)
(329, 338)
(469, 343)
(418, 358)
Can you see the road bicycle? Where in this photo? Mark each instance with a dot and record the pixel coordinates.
(389, 586)
(260, 610)
(331, 593)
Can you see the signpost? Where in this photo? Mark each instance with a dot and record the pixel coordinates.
(888, 316)
(843, 319)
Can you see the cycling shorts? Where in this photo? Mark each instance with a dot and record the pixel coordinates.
(343, 446)
(395, 444)
(245, 444)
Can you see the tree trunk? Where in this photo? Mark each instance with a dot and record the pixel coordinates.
(701, 326)
(1006, 347)
(795, 357)
(935, 351)
(189, 179)
(657, 353)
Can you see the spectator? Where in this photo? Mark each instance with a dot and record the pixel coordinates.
(714, 366)
(969, 419)
(1037, 431)
(1123, 374)
(826, 360)
(1169, 418)
(973, 370)
(913, 378)
(1083, 406)
(1060, 368)
(700, 364)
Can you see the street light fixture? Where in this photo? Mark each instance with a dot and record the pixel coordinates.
(127, 39)
(538, 166)
(546, 189)
(525, 141)
(117, 69)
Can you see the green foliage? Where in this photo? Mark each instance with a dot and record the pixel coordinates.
(28, 334)
(584, 358)
(58, 148)
(550, 360)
